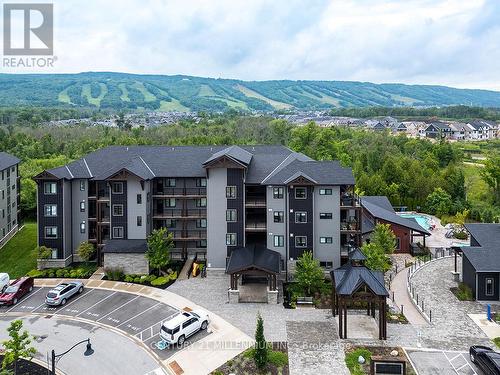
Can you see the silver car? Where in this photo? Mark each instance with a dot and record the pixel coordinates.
(61, 293)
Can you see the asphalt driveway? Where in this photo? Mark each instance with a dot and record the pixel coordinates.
(135, 315)
(443, 363)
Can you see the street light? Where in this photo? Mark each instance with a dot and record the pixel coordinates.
(89, 351)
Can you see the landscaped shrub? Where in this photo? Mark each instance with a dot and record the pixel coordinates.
(277, 358)
(36, 273)
(114, 273)
(496, 340)
(464, 292)
(462, 235)
(159, 281)
(351, 360)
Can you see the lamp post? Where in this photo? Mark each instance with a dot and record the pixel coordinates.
(88, 351)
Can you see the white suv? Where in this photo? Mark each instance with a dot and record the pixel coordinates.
(183, 325)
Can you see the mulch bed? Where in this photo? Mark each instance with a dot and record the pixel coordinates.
(384, 351)
(25, 367)
(241, 365)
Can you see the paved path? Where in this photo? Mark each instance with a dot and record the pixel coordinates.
(202, 357)
(401, 297)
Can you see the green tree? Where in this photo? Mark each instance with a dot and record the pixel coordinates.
(309, 276)
(86, 251)
(384, 237)
(382, 243)
(261, 352)
(491, 175)
(160, 243)
(43, 252)
(439, 202)
(18, 346)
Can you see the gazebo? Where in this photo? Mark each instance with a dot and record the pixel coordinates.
(356, 283)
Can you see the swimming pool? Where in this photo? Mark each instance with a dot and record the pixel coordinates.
(422, 220)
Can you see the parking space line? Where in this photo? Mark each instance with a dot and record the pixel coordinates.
(76, 299)
(95, 304)
(461, 367)
(153, 325)
(126, 303)
(38, 306)
(135, 316)
(24, 299)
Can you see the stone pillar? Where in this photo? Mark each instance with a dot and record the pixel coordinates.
(272, 296)
(234, 295)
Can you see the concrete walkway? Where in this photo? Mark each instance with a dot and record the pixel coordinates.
(401, 297)
(203, 356)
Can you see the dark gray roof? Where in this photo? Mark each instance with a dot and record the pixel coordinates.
(265, 164)
(380, 208)
(254, 256)
(7, 160)
(439, 125)
(357, 255)
(348, 278)
(125, 246)
(486, 257)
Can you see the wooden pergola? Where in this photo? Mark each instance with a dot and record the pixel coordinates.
(272, 278)
(354, 283)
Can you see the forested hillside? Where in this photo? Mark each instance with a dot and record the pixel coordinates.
(120, 91)
(411, 172)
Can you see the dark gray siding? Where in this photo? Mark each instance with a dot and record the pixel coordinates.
(300, 229)
(469, 274)
(481, 286)
(57, 221)
(119, 221)
(235, 178)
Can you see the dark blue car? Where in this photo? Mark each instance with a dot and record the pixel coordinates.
(486, 359)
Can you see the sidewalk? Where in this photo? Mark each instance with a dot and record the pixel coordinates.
(202, 357)
(401, 297)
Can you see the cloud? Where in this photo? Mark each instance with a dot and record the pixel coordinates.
(450, 42)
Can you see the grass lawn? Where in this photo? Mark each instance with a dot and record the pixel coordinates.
(18, 256)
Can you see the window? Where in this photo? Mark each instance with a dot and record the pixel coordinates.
(201, 244)
(279, 241)
(117, 187)
(170, 182)
(117, 232)
(325, 191)
(231, 215)
(201, 223)
(139, 221)
(300, 193)
(82, 185)
(82, 227)
(139, 198)
(325, 215)
(201, 182)
(278, 192)
(51, 232)
(278, 216)
(50, 210)
(300, 241)
(170, 223)
(326, 264)
(231, 239)
(169, 202)
(201, 202)
(300, 217)
(398, 243)
(490, 290)
(118, 210)
(231, 192)
(324, 240)
(50, 188)
(82, 206)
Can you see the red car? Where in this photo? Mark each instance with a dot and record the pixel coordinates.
(16, 290)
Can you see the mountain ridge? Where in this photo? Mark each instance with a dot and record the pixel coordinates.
(129, 91)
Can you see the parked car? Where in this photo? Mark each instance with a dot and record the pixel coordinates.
(61, 293)
(4, 281)
(16, 290)
(486, 359)
(183, 325)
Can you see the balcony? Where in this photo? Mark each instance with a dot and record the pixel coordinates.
(189, 235)
(255, 202)
(198, 213)
(180, 192)
(349, 226)
(255, 226)
(349, 201)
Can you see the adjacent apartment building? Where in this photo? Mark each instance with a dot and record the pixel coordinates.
(9, 196)
(212, 198)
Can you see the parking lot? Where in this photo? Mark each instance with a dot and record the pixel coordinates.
(443, 363)
(138, 316)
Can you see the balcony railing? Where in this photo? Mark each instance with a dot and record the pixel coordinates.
(255, 202)
(349, 201)
(180, 192)
(346, 226)
(166, 213)
(189, 235)
(255, 226)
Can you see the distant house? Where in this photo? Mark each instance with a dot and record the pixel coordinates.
(438, 129)
(378, 210)
(399, 127)
(481, 261)
(378, 126)
(460, 131)
(482, 129)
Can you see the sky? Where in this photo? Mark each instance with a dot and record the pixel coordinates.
(443, 42)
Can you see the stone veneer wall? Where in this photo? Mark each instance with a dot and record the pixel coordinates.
(130, 263)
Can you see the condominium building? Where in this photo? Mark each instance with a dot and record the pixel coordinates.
(213, 199)
(9, 196)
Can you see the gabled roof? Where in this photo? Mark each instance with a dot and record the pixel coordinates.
(380, 208)
(484, 233)
(254, 256)
(233, 152)
(348, 279)
(125, 246)
(136, 166)
(486, 257)
(7, 160)
(439, 125)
